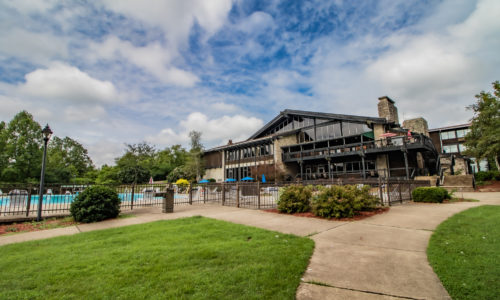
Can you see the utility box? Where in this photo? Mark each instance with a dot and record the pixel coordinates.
(168, 201)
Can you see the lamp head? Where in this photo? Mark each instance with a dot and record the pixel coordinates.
(47, 132)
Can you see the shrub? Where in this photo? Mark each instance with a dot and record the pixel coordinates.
(295, 198)
(95, 204)
(343, 201)
(482, 176)
(430, 194)
(211, 180)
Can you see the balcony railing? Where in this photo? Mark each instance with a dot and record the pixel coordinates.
(386, 144)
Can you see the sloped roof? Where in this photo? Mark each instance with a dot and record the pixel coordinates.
(303, 113)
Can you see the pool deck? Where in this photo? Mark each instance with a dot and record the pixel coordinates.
(381, 257)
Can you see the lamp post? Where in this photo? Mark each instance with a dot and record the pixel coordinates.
(46, 136)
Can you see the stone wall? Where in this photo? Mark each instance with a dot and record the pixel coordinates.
(215, 173)
(280, 142)
(418, 125)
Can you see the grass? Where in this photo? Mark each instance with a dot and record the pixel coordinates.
(464, 252)
(196, 258)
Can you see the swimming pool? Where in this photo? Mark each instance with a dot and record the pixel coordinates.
(67, 199)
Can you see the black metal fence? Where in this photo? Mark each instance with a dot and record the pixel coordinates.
(21, 201)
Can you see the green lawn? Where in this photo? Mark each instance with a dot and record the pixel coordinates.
(186, 258)
(465, 253)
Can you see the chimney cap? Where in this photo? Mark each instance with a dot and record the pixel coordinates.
(386, 98)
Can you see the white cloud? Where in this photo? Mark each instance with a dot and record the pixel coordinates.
(38, 47)
(176, 17)
(68, 84)
(153, 58)
(214, 131)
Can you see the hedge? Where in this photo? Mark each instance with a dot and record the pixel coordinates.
(430, 194)
(94, 204)
(295, 198)
(343, 201)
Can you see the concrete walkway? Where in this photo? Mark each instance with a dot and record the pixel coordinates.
(382, 257)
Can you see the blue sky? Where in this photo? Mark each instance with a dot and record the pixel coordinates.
(112, 72)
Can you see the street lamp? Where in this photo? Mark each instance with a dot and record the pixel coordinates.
(46, 136)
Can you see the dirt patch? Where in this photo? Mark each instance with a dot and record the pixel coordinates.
(36, 226)
(362, 215)
(493, 186)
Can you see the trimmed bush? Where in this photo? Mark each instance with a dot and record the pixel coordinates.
(295, 198)
(95, 204)
(343, 201)
(487, 176)
(430, 194)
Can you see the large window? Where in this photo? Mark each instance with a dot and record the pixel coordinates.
(462, 132)
(446, 135)
(462, 148)
(450, 148)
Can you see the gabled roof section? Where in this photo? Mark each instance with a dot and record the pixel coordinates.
(310, 114)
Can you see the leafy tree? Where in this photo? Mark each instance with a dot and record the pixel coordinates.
(483, 140)
(194, 165)
(67, 160)
(107, 175)
(22, 141)
(3, 144)
(167, 160)
(136, 164)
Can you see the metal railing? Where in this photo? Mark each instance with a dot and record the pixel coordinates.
(21, 201)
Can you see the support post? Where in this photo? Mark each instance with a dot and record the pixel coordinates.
(258, 195)
(190, 192)
(223, 194)
(132, 197)
(400, 192)
(168, 201)
(381, 194)
(29, 202)
(205, 194)
(237, 195)
(388, 187)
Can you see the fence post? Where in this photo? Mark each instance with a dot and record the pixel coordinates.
(132, 197)
(190, 192)
(237, 195)
(168, 201)
(223, 193)
(400, 194)
(409, 191)
(258, 195)
(381, 194)
(388, 187)
(29, 201)
(205, 194)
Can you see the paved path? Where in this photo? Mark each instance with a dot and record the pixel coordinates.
(382, 257)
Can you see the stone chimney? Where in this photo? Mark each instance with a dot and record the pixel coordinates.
(418, 125)
(230, 142)
(387, 109)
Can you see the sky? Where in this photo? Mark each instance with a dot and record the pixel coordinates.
(107, 73)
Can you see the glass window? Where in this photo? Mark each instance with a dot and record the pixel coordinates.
(450, 149)
(462, 132)
(462, 148)
(446, 135)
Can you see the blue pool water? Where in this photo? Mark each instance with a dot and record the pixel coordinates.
(60, 199)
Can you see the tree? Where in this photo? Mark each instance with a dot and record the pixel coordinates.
(167, 160)
(136, 164)
(67, 160)
(23, 142)
(483, 140)
(194, 165)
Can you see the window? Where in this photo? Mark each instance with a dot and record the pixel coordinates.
(462, 132)
(450, 148)
(461, 148)
(446, 135)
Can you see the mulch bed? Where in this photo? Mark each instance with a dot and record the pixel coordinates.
(362, 215)
(35, 226)
(494, 186)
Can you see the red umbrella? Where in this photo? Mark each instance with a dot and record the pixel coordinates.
(388, 134)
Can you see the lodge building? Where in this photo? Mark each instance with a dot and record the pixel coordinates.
(304, 145)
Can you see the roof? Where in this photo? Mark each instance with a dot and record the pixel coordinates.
(303, 113)
(467, 125)
(240, 144)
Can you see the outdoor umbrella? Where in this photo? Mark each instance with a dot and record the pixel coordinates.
(230, 180)
(247, 179)
(388, 134)
(263, 178)
(204, 181)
